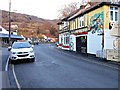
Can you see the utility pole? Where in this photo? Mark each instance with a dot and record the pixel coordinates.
(9, 22)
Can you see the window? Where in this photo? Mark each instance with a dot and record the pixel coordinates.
(80, 24)
(116, 16)
(113, 13)
(81, 21)
(66, 23)
(66, 39)
(111, 8)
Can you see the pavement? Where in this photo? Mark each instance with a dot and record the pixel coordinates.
(90, 57)
(4, 80)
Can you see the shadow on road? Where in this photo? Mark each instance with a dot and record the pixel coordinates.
(23, 61)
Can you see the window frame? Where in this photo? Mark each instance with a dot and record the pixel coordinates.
(81, 21)
(113, 18)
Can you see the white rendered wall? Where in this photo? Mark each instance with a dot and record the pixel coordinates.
(59, 38)
(108, 39)
(73, 40)
(14, 33)
(94, 43)
(4, 31)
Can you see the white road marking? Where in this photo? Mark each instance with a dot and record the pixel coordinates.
(91, 61)
(6, 66)
(16, 80)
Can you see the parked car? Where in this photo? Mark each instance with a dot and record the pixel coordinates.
(21, 51)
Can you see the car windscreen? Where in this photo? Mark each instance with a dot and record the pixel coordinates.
(21, 45)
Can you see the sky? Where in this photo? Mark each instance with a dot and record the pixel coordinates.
(47, 9)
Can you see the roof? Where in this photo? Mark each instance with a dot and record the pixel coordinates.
(76, 11)
(95, 6)
(71, 14)
(60, 22)
(12, 36)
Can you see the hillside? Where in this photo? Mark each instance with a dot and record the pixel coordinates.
(31, 26)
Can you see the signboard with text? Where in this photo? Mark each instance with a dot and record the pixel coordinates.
(113, 55)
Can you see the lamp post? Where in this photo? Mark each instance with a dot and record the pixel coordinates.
(9, 22)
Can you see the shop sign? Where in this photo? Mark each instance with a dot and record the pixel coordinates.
(113, 55)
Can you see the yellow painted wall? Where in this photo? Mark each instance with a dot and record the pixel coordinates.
(96, 20)
(87, 17)
(61, 26)
(92, 13)
(76, 22)
(106, 10)
(72, 25)
(106, 16)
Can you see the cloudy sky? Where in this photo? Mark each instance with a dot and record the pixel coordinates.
(47, 9)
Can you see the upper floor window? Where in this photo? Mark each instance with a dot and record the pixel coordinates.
(113, 13)
(66, 23)
(81, 21)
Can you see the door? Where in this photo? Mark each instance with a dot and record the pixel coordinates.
(81, 44)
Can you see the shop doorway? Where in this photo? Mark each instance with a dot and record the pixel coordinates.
(81, 44)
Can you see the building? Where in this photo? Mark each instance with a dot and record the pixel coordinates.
(93, 29)
(4, 36)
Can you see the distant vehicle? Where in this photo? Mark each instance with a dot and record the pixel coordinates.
(56, 43)
(21, 50)
(35, 42)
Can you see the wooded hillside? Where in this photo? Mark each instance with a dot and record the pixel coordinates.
(31, 26)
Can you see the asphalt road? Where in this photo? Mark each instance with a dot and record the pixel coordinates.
(54, 68)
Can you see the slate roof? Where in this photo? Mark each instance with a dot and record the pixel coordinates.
(12, 36)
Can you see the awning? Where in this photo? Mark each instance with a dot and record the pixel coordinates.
(12, 36)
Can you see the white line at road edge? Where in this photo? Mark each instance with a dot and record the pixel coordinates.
(6, 66)
(92, 61)
(16, 80)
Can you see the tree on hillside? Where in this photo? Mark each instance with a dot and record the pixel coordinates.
(53, 31)
(40, 36)
(67, 9)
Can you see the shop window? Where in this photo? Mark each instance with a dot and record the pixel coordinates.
(67, 40)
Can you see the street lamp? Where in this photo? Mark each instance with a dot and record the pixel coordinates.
(9, 22)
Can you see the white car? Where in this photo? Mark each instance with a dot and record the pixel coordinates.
(21, 50)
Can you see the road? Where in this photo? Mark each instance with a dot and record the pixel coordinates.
(54, 68)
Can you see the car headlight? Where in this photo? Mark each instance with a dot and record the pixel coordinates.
(13, 52)
(31, 51)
